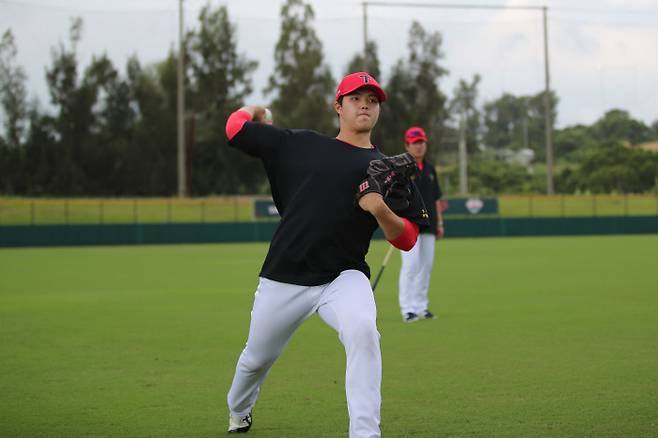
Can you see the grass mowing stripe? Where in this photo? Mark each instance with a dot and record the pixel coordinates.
(535, 337)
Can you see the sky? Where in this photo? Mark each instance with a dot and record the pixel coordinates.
(602, 53)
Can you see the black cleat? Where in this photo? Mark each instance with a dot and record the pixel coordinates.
(429, 315)
(410, 317)
(239, 424)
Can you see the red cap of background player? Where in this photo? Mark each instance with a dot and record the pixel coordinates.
(414, 134)
(354, 81)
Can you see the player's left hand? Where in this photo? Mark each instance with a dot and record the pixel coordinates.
(440, 232)
(387, 174)
(399, 196)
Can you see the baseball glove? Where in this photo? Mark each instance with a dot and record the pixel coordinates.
(391, 178)
(399, 196)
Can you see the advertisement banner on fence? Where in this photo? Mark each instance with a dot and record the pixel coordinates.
(265, 208)
(469, 206)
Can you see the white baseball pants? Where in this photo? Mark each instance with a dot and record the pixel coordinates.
(348, 306)
(415, 275)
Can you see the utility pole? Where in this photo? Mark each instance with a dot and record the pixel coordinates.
(524, 126)
(180, 107)
(548, 124)
(463, 165)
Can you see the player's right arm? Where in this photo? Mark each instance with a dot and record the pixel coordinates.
(249, 130)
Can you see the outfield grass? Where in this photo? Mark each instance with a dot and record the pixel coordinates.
(240, 208)
(536, 337)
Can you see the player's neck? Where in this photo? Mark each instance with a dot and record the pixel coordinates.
(358, 139)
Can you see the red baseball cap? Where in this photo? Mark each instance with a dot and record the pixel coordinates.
(354, 81)
(414, 134)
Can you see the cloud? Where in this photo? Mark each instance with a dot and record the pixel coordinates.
(598, 60)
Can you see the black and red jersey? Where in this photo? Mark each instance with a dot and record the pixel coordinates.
(314, 179)
(428, 184)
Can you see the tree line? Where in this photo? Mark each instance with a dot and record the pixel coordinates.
(113, 133)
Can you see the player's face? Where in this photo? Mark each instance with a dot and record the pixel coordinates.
(359, 111)
(417, 149)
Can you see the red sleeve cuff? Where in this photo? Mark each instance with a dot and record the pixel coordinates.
(235, 123)
(407, 239)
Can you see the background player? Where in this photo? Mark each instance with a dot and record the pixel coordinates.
(417, 264)
(316, 260)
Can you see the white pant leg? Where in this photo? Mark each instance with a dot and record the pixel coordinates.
(408, 281)
(278, 310)
(425, 263)
(348, 306)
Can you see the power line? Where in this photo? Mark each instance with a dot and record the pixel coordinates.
(548, 128)
(613, 15)
(615, 11)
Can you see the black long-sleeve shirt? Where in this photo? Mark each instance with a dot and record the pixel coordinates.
(314, 180)
(428, 184)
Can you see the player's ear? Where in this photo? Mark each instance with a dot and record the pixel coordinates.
(338, 107)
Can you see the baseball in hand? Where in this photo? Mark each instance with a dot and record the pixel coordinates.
(267, 117)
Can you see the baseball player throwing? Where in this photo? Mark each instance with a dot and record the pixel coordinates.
(332, 193)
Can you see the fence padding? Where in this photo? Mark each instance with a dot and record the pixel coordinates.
(136, 234)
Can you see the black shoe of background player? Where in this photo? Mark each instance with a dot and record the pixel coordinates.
(410, 317)
(429, 315)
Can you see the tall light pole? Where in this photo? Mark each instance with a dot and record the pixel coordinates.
(180, 107)
(548, 124)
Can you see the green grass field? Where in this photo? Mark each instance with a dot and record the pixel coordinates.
(536, 337)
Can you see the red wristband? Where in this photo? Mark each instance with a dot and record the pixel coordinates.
(235, 123)
(407, 239)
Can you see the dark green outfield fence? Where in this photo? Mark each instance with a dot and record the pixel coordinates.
(134, 234)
